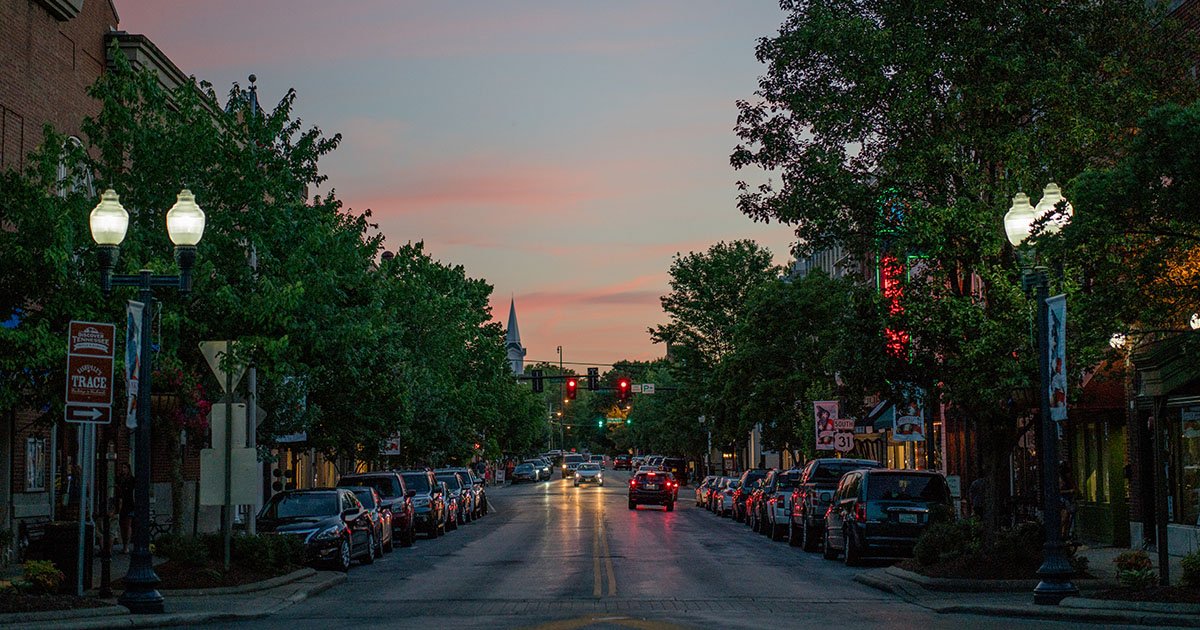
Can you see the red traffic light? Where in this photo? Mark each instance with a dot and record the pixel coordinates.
(572, 387)
(623, 388)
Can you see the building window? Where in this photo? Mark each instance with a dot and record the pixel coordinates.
(73, 174)
(35, 464)
(1189, 466)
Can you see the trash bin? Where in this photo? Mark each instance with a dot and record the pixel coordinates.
(60, 545)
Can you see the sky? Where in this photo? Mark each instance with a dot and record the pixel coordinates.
(564, 151)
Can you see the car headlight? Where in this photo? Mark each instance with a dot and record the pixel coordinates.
(329, 533)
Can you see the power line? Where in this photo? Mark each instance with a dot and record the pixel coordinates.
(534, 361)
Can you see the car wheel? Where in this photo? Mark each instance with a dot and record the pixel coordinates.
(807, 541)
(792, 538)
(408, 536)
(485, 507)
(343, 559)
(776, 534)
(852, 557)
(829, 553)
(633, 505)
(671, 506)
(390, 545)
(369, 557)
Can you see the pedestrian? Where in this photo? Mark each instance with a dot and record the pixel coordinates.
(124, 491)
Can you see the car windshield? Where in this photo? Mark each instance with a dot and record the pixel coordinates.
(574, 459)
(451, 480)
(302, 504)
(789, 480)
(754, 476)
(417, 481)
(589, 467)
(892, 487)
(385, 486)
(524, 468)
(366, 498)
(833, 471)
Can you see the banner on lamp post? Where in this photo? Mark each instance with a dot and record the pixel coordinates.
(1057, 318)
(133, 360)
(825, 413)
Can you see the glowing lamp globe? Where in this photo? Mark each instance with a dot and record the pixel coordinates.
(185, 220)
(109, 220)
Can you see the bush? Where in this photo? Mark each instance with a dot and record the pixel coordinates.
(266, 553)
(41, 576)
(1191, 570)
(1135, 570)
(945, 541)
(185, 550)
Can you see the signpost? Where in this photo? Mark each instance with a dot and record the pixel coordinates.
(88, 403)
(214, 352)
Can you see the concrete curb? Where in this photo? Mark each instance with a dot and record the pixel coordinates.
(1148, 607)
(58, 615)
(960, 585)
(324, 582)
(1059, 613)
(294, 576)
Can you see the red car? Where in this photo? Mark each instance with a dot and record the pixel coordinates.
(623, 462)
(395, 497)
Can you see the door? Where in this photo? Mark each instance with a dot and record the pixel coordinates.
(835, 518)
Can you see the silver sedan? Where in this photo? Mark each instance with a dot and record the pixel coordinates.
(589, 473)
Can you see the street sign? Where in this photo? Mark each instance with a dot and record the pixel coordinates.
(89, 372)
(214, 353)
(647, 388)
(635, 389)
(843, 442)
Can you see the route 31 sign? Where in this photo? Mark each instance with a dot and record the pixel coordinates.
(90, 372)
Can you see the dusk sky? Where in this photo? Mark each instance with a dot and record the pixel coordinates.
(563, 151)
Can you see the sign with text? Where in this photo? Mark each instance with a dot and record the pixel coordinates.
(89, 372)
(647, 388)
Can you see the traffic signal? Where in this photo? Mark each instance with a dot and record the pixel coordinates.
(572, 388)
(593, 379)
(537, 381)
(623, 388)
(600, 423)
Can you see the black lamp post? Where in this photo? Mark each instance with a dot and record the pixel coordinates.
(1056, 570)
(185, 225)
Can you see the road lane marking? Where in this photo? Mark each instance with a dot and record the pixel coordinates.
(597, 582)
(608, 563)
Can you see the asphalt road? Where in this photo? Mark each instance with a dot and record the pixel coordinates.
(558, 557)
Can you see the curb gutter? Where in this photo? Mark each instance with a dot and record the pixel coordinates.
(294, 576)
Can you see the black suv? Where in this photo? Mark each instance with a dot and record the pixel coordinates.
(676, 466)
(880, 513)
(812, 495)
(653, 488)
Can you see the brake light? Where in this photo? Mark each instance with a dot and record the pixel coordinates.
(860, 513)
(633, 483)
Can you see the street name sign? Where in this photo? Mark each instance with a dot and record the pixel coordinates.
(90, 372)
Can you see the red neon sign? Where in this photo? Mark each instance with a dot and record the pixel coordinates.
(891, 284)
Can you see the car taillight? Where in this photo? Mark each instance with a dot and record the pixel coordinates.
(633, 483)
(860, 513)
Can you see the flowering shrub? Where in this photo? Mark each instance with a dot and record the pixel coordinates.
(1135, 570)
(192, 413)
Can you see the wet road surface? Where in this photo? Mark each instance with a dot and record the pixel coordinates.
(558, 557)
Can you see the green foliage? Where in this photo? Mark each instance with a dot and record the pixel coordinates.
(942, 541)
(181, 549)
(266, 553)
(41, 576)
(1135, 570)
(1191, 569)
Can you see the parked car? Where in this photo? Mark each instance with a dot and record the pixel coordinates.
(429, 503)
(450, 522)
(571, 461)
(676, 466)
(703, 488)
(623, 462)
(396, 498)
(589, 473)
(653, 488)
(747, 484)
(811, 498)
(722, 498)
(878, 513)
(381, 519)
(331, 521)
(525, 472)
(458, 496)
(773, 507)
(478, 491)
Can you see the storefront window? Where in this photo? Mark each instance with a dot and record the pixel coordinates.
(1189, 466)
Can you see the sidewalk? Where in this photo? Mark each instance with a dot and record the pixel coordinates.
(1014, 598)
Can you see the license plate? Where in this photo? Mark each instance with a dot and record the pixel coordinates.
(908, 518)
(652, 486)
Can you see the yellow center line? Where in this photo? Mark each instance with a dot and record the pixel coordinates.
(598, 582)
(608, 563)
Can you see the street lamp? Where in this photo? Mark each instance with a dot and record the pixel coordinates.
(1056, 571)
(185, 225)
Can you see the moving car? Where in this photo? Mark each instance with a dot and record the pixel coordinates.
(811, 498)
(331, 522)
(544, 471)
(878, 513)
(589, 473)
(525, 472)
(653, 488)
(623, 462)
(396, 498)
(571, 461)
(429, 504)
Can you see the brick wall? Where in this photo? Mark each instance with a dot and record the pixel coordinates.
(47, 68)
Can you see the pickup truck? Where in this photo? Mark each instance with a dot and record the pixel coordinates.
(812, 495)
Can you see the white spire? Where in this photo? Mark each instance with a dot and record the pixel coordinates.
(512, 341)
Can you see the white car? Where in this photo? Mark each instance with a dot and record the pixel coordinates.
(589, 473)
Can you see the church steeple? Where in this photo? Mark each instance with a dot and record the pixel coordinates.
(512, 342)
